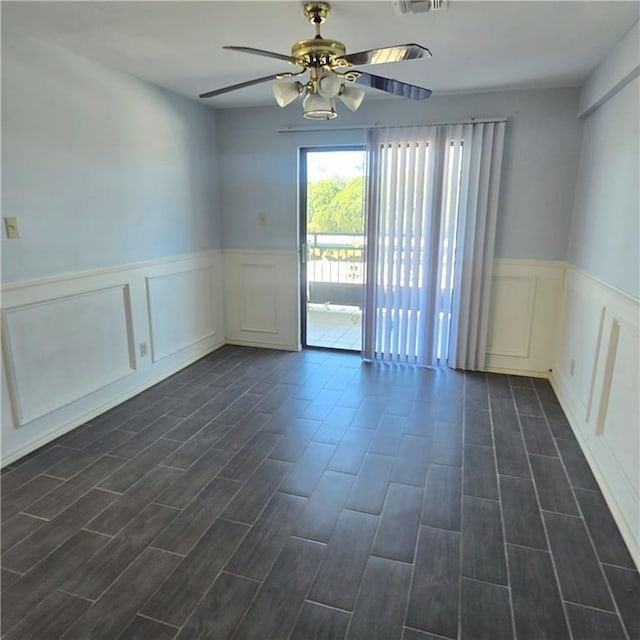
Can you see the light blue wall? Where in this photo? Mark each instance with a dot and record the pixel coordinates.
(258, 165)
(605, 230)
(100, 168)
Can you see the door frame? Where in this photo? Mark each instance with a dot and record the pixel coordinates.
(302, 231)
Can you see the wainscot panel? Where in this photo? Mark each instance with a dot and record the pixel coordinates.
(77, 344)
(596, 377)
(525, 298)
(262, 305)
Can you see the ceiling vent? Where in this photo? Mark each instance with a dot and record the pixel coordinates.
(402, 7)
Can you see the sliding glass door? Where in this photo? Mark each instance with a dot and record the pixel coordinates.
(332, 235)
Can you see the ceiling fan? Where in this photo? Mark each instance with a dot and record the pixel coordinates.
(331, 73)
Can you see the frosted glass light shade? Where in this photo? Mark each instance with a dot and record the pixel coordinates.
(316, 107)
(286, 92)
(351, 97)
(329, 85)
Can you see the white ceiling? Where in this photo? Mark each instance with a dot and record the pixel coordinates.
(476, 46)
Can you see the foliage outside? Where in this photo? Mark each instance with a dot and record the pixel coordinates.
(335, 205)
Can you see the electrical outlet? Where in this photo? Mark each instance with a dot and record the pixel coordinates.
(262, 219)
(11, 227)
(143, 349)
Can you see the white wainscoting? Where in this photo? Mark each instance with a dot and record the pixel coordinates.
(597, 379)
(525, 298)
(262, 301)
(72, 343)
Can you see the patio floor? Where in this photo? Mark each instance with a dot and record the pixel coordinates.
(334, 326)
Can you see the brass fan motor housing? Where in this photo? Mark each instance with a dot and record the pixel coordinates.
(318, 51)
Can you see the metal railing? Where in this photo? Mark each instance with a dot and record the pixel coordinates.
(336, 258)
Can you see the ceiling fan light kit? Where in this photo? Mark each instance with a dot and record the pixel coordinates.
(331, 72)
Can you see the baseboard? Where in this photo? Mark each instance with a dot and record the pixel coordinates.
(627, 535)
(518, 372)
(263, 345)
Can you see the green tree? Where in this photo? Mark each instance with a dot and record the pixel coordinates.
(335, 205)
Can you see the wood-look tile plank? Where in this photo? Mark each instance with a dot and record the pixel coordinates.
(274, 612)
(139, 466)
(240, 434)
(442, 507)
(257, 491)
(131, 503)
(558, 423)
(605, 534)
(338, 578)
(137, 444)
(537, 606)
(537, 437)
(527, 402)
(382, 601)
(185, 455)
(435, 581)
(7, 578)
(522, 520)
(24, 555)
(334, 426)
(116, 556)
(412, 461)
(503, 413)
(480, 472)
(477, 428)
(322, 404)
(32, 588)
(112, 613)
(369, 412)
(50, 619)
(579, 573)
(446, 446)
(220, 611)
(26, 472)
(260, 548)
(482, 541)
(370, 488)
(74, 464)
(31, 492)
(414, 634)
(295, 440)
(351, 450)
(388, 436)
(398, 528)
(244, 463)
(580, 475)
(306, 472)
(589, 623)
(625, 586)
(316, 622)
(17, 529)
(319, 515)
(195, 479)
(180, 594)
(485, 612)
(142, 628)
(189, 526)
(511, 454)
(553, 486)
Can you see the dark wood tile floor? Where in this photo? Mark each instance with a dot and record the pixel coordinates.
(261, 494)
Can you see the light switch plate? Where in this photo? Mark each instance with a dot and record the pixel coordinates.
(11, 227)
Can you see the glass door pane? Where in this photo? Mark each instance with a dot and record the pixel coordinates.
(333, 227)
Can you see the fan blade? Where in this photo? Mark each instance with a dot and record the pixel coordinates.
(268, 54)
(396, 53)
(393, 86)
(240, 85)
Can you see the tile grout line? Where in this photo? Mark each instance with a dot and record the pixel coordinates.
(590, 538)
(544, 524)
(500, 507)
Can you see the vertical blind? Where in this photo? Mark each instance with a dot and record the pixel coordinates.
(417, 178)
